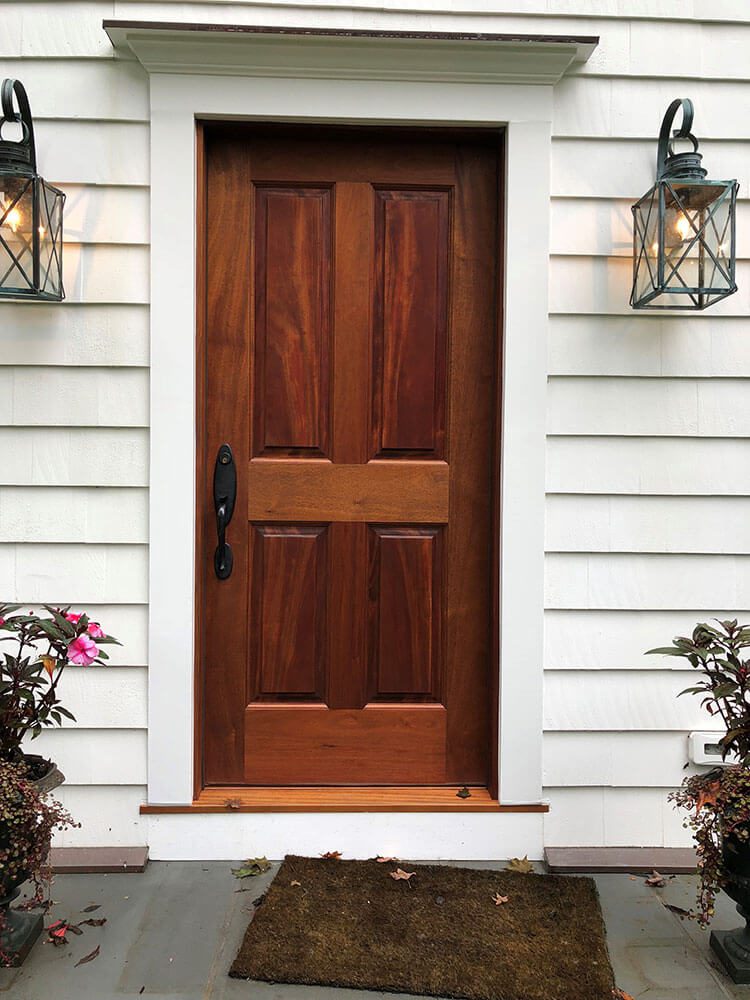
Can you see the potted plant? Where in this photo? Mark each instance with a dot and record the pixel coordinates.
(718, 801)
(42, 645)
(27, 821)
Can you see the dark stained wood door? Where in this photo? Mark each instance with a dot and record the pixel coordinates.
(350, 364)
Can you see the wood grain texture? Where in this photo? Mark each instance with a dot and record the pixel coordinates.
(410, 321)
(406, 595)
(288, 612)
(292, 319)
(319, 491)
(317, 745)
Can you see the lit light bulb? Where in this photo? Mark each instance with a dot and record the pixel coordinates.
(682, 226)
(654, 249)
(12, 220)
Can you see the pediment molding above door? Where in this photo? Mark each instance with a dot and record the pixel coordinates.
(320, 53)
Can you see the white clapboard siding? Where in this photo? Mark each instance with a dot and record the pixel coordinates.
(105, 697)
(95, 756)
(76, 456)
(634, 759)
(106, 273)
(83, 397)
(108, 816)
(613, 817)
(646, 581)
(618, 640)
(106, 214)
(82, 152)
(604, 226)
(604, 108)
(620, 701)
(648, 344)
(680, 466)
(606, 168)
(601, 286)
(101, 514)
(656, 407)
(49, 573)
(94, 89)
(54, 30)
(75, 334)
(644, 524)
(128, 623)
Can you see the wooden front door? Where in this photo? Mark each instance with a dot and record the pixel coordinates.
(350, 360)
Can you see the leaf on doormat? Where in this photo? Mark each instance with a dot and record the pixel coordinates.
(87, 958)
(522, 865)
(90, 909)
(251, 867)
(331, 855)
(93, 922)
(295, 882)
(656, 880)
(385, 861)
(679, 911)
(498, 900)
(620, 995)
(463, 793)
(401, 874)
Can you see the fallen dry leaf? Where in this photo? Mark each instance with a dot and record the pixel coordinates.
(656, 880)
(522, 865)
(331, 855)
(93, 922)
(232, 803)
(57, 932)
(620, 995)
(401, 874)
(295, 882)
(679, 911)
(463, 793)
(90, 909)
(498, 900)
(87, 958)
(385, 861)
(253, 866)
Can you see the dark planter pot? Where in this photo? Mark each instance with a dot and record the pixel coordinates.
(733, 947)
(50, 778)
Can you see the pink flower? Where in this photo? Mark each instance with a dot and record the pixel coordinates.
(83, 651)
(73, 617)
(95, 630)
(2, 622)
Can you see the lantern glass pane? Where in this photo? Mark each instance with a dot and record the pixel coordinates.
(646, 248)
(16, 235)
(50, 240)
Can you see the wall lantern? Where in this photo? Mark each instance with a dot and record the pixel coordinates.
(31, 210)
(683, 228)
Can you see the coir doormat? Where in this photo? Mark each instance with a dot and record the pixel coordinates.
(446, 932)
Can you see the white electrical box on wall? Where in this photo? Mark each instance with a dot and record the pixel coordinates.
(704, 749)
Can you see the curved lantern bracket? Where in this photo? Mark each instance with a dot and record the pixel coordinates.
(17, 155)
(669, 163)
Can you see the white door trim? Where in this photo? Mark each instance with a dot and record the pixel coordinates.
(178, 98)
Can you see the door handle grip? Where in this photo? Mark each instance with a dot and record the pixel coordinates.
(225, 494)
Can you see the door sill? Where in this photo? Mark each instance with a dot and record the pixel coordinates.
(226, 799)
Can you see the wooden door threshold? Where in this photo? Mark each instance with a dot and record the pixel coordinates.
(361, 799)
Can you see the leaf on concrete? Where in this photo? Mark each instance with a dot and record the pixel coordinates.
(400, 874)
(522, 865)
(498, 900)
(679, 911)
(252, 867)
(93, 922)
(57, 932)
(656, 880)
(87, 958)
(90, 909)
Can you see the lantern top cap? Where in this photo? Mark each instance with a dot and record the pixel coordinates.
(19, 156)
(685, 166)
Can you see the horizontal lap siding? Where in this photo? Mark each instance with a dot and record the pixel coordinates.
(643, 537)
(648, 444)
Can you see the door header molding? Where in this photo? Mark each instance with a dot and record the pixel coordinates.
(250, 50)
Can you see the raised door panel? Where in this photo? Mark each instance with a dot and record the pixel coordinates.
(405, 613)
(288, 613)
(410, 325)
(292, 320)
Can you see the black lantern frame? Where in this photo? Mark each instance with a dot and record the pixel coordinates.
(31, 210)
(684, 239)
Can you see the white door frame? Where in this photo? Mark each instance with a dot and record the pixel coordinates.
(253, 81)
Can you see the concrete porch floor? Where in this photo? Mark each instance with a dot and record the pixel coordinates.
(173, 931)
